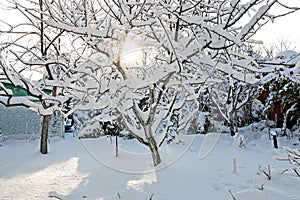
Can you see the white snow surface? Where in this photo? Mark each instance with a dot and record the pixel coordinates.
(82, 169)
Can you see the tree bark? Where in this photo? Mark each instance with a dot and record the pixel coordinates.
(152, 145)
(44, 135)
(231, 127)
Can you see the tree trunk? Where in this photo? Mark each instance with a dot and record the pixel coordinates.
(231, 127)
(152, 145)
(44, 135)
(46, 118)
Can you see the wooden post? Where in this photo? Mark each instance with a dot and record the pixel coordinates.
(275, 143)
(117, 152)
(234, 166)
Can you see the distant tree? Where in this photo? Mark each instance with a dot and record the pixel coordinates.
(280, 45)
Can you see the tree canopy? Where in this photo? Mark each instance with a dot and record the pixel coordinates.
(183, 48)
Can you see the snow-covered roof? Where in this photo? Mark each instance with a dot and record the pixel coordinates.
(286, 54)
(288, 57)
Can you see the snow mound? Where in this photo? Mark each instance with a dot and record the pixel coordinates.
(250, 194)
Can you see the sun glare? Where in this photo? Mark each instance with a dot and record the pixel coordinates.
(131, 53)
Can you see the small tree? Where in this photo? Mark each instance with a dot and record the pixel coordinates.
(41, 56)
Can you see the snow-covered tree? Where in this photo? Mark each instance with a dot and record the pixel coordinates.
(279, 45)
(181, 49)
(233, 99)
(281, 87)
(31, 49)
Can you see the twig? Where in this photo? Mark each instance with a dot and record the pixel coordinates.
(282, 159)
(233, 197)
(296, 171)
(268, 174)
(53, 196)
(151, 196)
(261, 187)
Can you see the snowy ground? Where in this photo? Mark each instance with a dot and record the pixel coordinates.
(88, 169)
